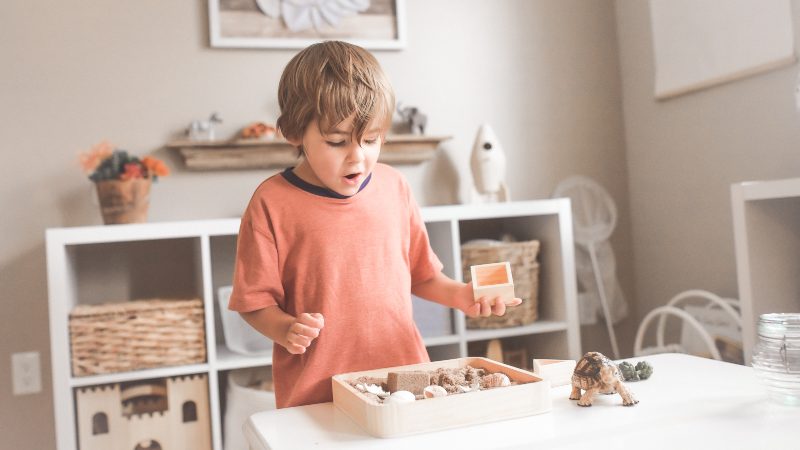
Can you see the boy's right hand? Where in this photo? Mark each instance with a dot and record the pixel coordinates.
(303, 331)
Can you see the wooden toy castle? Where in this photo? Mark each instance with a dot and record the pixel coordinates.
(166, 413)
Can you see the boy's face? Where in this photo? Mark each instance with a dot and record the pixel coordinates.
(334, 160)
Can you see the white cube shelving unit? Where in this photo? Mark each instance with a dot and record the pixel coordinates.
(192, 259)
(766, 226)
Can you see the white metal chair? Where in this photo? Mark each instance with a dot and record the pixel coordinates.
(672, 308)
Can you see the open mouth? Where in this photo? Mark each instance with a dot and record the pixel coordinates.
(351, 176)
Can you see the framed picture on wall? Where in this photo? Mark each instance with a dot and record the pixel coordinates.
(295, 24)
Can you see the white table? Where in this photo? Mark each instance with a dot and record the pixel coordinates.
(689, 402)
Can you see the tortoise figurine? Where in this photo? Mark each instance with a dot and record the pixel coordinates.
(596, 373)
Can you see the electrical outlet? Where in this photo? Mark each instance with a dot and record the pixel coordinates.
(27, 376)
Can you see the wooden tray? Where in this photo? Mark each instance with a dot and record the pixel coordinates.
(433, 414)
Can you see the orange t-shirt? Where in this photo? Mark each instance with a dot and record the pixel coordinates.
(352, 259)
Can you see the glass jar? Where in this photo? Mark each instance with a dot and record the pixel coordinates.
(776, 356)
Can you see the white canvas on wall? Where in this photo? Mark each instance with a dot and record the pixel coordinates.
(701, 43)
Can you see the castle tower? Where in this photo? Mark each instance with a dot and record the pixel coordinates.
(189, 411)
(171, 413)
(100, 418)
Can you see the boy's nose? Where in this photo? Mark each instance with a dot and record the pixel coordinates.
(356, 153)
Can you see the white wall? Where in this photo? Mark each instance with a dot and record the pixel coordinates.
(543, 73)
(683, 155)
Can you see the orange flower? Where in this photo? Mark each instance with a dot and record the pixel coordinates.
(99, 152)
(155, 167)
(132, 170)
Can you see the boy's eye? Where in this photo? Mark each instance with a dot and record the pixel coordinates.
(335, 144)
(370, 141)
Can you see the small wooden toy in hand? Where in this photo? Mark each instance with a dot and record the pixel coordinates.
(493, 280)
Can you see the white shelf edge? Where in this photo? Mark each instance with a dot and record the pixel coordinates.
(495, 210)
(769, 189)
(104, 234)
(228, 360)
(121, 377)
(542, 326)
(435, 341)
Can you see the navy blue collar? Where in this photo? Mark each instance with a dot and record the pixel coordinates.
(292, 177)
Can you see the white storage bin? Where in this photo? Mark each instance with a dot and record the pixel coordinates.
(243, 400)
(432, 319)
(240, 337)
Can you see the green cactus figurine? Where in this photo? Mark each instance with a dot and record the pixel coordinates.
(643, 370)
(628, 371)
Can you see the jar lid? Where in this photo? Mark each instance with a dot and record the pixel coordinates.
(779, 325)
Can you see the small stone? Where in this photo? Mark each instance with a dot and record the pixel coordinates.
(644, 370)
(377, 390)
(434, 391)
(401, 397)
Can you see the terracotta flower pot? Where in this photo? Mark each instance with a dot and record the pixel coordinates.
(124, 201)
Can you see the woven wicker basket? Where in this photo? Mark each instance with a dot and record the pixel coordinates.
(139, 334)
(524, 270)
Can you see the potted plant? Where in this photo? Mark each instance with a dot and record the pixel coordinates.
(122, 182)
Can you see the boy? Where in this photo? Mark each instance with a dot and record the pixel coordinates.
(329, 251)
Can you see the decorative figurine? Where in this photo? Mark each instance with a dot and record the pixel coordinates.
(596, 373)
(414, 120)
(203, 130)
(488, 168)
(628, 371)
(641, 371)
(644, 370)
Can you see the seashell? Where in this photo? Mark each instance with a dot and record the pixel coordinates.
(495, 380)
(377, 390)
(361, 387)
(463, 389)
(401, 397)
(434, 391)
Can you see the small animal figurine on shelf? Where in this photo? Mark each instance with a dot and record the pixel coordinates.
(596, 373)
(414, 120)
(203, 130)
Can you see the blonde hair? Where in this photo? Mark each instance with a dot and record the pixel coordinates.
(329, 82)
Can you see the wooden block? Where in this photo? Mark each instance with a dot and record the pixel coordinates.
(557, 371)
(493, 280)
(411, 381)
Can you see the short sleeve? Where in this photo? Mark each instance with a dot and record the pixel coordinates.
(424, 262)
(256, 275)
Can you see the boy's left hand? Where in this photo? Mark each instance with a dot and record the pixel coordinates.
(483, 306)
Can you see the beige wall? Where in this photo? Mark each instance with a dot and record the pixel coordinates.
(683, 155)
(544, 74)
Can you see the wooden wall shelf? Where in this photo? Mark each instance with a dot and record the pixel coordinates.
(276, 153)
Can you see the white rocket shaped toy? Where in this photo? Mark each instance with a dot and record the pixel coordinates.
(488, 168)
